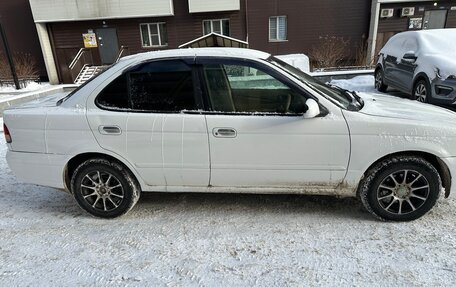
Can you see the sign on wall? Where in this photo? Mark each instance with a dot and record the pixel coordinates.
(90, 40)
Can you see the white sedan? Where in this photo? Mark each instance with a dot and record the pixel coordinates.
(230, 120)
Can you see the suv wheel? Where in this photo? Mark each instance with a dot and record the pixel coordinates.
(379, 84)
(422, 91)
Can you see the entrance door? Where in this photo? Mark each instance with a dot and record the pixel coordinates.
(107, 45)
(435, 19)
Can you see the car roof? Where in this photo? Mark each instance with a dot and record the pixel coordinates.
(200, 52)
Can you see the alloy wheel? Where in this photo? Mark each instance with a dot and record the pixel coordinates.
(378, 80)
(403, 191)
(102, 190)
(421, 92)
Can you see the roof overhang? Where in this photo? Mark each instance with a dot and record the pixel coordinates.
(83, 10)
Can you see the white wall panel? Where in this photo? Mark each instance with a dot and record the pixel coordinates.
(74, 10)
(197, 6)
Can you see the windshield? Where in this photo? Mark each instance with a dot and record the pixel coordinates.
(341, 97)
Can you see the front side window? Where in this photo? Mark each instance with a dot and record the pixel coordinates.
(219, 26)
(162, 86)
(278, 28)
(153, 35)
(238, 88)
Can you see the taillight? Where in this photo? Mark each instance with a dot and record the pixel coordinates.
(7, 134)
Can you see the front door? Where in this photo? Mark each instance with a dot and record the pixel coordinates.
(258, 136)
(435, 19)
(107, 45)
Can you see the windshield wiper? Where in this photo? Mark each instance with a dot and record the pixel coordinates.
(356, 102)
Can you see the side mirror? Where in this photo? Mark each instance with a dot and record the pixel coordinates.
(313, 109)
(409, 57)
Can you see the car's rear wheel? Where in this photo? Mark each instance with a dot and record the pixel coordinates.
(104, 189)
(379, 81)
(400, 188)
(422, 91)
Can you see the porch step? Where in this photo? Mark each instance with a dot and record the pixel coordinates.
(86, 73)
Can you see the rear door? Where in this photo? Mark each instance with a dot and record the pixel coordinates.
(149, 116)
(258, 136)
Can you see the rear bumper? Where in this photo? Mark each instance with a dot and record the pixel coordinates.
(37, 168)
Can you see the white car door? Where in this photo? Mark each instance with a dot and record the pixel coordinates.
(258, 135)
(146, 115)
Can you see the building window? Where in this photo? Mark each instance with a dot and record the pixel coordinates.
(154, 35)
(278, 28)
(219, 26)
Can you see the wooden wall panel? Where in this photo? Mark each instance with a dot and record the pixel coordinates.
(307, 22)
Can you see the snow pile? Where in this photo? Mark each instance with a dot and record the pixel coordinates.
(299, 61)
(31, 86)
(358, 84)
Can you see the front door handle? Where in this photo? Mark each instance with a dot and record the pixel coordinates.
(224, 132)
(109, 130)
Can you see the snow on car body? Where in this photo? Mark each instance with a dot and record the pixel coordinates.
(185, 120)
(421, 64)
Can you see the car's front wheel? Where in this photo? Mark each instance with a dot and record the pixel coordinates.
(421, 91)
(104, 189)
(379, 81)
(400, 188)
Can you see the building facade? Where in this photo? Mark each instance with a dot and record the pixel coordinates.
(106, 29)
(389, 17)
(17, 21)
(301, 25)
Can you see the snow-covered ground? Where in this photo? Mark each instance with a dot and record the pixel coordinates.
(358, 83)
(218, 240)
(32, 86)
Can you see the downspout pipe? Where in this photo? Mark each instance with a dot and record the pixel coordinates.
(373, 29)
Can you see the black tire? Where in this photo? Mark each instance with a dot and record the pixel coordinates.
(421, 91)
(395, 188)
(379, 81)
(104, 189)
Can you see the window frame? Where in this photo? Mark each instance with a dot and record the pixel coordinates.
(259, 65)
(277, 29)
(221, 25)
(197, 90)
(150, 35)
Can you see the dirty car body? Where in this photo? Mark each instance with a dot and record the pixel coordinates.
(230, 120)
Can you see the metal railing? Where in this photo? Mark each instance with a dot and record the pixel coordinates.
(124, 51)
(77, 58)
(82, 59)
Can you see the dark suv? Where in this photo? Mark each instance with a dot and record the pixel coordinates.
(421, 64)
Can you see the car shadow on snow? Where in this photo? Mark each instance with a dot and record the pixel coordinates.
(232, 203)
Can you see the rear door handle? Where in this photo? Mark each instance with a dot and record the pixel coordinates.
(109, 130)
(224, 132)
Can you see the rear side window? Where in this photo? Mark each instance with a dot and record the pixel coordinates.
(162, 86)
(115, 95)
